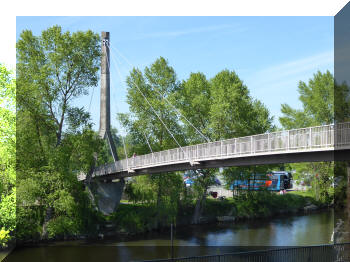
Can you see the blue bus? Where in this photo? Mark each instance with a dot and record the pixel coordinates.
(274, 181)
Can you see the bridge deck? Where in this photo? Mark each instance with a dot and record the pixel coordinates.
(297, 145)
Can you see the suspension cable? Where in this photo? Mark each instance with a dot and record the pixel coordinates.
(147, 142)
(92, 94)
(159, 117)
(163, 97)
(155, 112)
(121, 78)
(124, 146)
(199, 132)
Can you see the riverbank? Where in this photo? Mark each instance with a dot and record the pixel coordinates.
(138, 218)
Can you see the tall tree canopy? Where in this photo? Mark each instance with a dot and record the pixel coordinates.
(147, 106)
(55, 139)
(233, 112)
(151, 118)
(218, 108)
(7, 155)
(317, 98)
(58, 66)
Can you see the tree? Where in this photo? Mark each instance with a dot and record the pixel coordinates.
(7, 155)
(55, 139)
(233, 112)
(60, 66)
(193, 99)
(220, 108)
(317, 99)
(153, 119)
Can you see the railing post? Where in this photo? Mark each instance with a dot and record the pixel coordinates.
(221, 148)
(251, 145)
(288, 141)
(310, 133)
(235, 152)
(268, 142)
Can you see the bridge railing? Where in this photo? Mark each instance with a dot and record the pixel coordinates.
(303, 139)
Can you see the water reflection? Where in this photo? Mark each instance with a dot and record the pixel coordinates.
(310, 229)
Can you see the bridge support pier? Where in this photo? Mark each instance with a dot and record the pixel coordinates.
(106, 195)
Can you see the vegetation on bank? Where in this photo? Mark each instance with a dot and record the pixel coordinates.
(55, 139)
(7, 156)
(140, 217)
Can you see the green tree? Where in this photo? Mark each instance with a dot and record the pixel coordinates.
(158, 81)
(233, 112)
(60, 66)
(7, 155)
(55, 139)
(317, 97)
(193, 99)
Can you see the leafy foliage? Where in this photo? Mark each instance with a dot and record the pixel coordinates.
(317, 98)
(220, 108)
(55, 139)
(7, 156)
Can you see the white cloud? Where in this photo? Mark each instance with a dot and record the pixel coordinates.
(190, 31)
(278, 84)
(292, 69)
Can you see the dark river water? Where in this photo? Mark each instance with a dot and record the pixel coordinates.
(296, 230)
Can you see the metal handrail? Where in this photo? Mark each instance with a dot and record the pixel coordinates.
(310, 138)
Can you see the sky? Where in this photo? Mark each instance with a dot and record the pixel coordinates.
(270, 54)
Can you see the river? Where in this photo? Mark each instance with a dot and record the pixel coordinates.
(296, 230)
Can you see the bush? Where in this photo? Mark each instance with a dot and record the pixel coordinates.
(4, 237)
(62, 226)
(134, 218)
(28, 222)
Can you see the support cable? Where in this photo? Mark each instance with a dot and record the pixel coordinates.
(92, 94)
(163, 97)
(125, 151)
(121, 79)
(147, 142)
(155, 112)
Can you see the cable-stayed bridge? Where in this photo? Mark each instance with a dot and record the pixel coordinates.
(320, 143)
(312, 144)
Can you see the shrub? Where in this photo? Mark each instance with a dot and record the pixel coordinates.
(4, 237)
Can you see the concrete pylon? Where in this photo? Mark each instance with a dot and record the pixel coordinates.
(105, 107)
(106, 194)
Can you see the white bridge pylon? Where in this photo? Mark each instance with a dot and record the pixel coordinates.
(319, 143)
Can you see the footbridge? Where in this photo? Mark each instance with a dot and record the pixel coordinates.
(312, 144)
(105, 183)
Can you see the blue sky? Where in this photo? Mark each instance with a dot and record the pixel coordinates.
(270, 54)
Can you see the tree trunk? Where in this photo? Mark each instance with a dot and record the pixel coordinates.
(159, 199)
(48, 216)
(199, 208)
